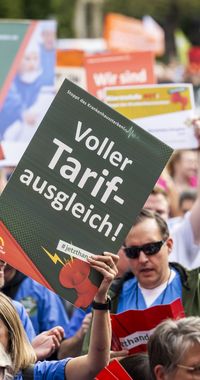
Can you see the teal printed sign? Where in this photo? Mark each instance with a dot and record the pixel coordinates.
(11, 37)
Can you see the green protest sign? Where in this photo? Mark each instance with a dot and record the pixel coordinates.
(77, 189)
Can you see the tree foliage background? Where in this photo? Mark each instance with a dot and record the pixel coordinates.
(170, 14)
(61, 10)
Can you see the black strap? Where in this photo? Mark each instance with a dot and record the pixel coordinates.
(182, 272)
(28, 373)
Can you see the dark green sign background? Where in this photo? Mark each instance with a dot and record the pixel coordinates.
(29, 215)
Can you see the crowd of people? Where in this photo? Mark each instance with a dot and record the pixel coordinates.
(44, 337)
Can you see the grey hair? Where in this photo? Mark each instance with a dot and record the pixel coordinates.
(171, 340)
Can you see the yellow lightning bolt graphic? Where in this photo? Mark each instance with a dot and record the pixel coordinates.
(55, 258)
(2, 246)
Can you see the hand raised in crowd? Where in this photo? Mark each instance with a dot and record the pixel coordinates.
(46, 343)
(100, 339)
(105, 264)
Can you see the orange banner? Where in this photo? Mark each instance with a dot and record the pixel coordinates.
(124, 33)
(118, 69)
(69, 57)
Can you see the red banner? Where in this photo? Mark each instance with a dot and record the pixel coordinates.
(114, 371)
(11, 252)
(132, 328)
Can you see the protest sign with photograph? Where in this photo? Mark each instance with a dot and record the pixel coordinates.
(77, 190)
(113, 371)
(165, 110)
(27, 74)
(118, 69)
(134, 336)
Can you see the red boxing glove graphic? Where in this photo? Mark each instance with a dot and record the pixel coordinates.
(176, 97)
(75, 275)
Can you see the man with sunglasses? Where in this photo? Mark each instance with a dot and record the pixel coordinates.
(154, 280)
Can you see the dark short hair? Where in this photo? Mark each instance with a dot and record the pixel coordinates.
(188, 194)
(148, 214)
(137, 366)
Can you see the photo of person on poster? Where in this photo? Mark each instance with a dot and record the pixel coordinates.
(32, 88)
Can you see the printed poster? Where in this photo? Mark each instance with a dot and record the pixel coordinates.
(134, 336)
(27, 73)
(76, 191)
(118, 69)
(165, 110)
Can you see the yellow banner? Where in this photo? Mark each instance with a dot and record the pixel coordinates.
(136, 102)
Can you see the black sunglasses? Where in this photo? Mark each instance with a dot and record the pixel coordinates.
(149, 249)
